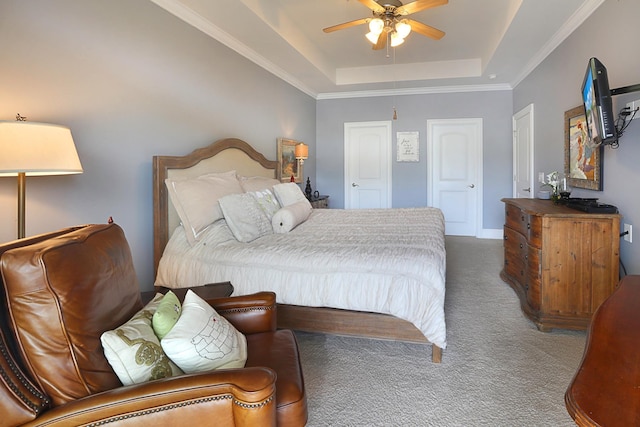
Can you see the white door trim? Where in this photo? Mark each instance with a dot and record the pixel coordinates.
(479, 170)
(528, 110)
(347, 162)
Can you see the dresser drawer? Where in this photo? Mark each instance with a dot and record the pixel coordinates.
(534, 269)
(515, 260)
(516, 219)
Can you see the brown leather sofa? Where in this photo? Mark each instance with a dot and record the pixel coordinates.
(62, 290)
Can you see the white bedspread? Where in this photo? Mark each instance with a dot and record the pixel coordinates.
(389, 261)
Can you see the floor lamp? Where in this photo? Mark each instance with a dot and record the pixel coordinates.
(35, 149)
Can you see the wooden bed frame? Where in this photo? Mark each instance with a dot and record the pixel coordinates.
(231, 153)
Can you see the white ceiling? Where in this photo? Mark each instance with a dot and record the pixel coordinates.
(489, 44)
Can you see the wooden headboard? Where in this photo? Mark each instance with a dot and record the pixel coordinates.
(221, 156)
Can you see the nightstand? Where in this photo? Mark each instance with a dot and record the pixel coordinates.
(319, 202)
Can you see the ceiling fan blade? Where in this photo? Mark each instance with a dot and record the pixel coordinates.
(371, 4)
(425, 30)
(346, 25)
(419, 5)
(382, 41)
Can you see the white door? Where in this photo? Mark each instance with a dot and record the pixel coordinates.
(523, 153)
(367, 157)
(454, 150)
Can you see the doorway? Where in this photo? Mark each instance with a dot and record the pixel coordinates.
(454, 152)
(367, 160)
(523, 153)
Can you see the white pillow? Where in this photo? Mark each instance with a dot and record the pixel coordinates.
(203, 340)
(245, 217)
(196, 199)
(289, 217)
(134, 351)
(267, 201)
(257, 183)
(289, 193)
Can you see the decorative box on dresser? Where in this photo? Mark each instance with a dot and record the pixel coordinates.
(561, 262)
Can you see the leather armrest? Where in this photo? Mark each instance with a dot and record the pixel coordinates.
(244, 397)
(250, 314)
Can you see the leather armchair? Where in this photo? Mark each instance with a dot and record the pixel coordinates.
(61, 290)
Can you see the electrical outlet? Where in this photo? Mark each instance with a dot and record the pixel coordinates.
(541, 177)
(633, 106)
(628, 228)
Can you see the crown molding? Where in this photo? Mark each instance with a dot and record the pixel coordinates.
(414, 91)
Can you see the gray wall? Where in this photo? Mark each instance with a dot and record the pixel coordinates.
(554, 87)
(410, 179)
(131, 81)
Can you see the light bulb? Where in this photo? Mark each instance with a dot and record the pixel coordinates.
(396, 40)
(403, 29)
(376, 26)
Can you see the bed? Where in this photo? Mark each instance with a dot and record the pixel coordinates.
(376, 273)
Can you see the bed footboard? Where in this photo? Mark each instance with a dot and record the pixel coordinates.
(352, 323)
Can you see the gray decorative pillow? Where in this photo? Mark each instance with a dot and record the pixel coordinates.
(267, 202)
(244, 216)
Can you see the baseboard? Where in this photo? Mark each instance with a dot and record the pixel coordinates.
(490, 233)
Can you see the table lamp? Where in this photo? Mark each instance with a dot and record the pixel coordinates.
(35, 149)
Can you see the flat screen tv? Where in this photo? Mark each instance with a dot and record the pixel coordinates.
(598, 107)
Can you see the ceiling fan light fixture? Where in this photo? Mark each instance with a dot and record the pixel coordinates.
(376, 26)
(396, 40)
(403, 29)
(372, 37)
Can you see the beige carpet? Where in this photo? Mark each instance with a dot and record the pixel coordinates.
(497, 370)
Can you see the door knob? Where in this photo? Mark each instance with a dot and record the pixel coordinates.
(353, 184)
(472, 186)
(528, 190)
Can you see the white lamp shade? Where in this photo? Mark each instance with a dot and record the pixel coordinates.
(37, 149)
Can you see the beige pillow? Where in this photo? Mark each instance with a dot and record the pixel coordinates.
(289, 193)
(257, 183)
(202, 340)
(196, 200)
(133, 349)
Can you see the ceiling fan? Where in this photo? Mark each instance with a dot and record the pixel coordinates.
(389, 21)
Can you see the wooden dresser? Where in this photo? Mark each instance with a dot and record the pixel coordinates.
(561, 262)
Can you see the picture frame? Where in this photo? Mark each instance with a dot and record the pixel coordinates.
(287, 164)
(408, 145)
(582, 161)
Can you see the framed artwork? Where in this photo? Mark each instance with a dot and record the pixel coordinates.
(408, 147)
(582, 161)
(288, 166)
